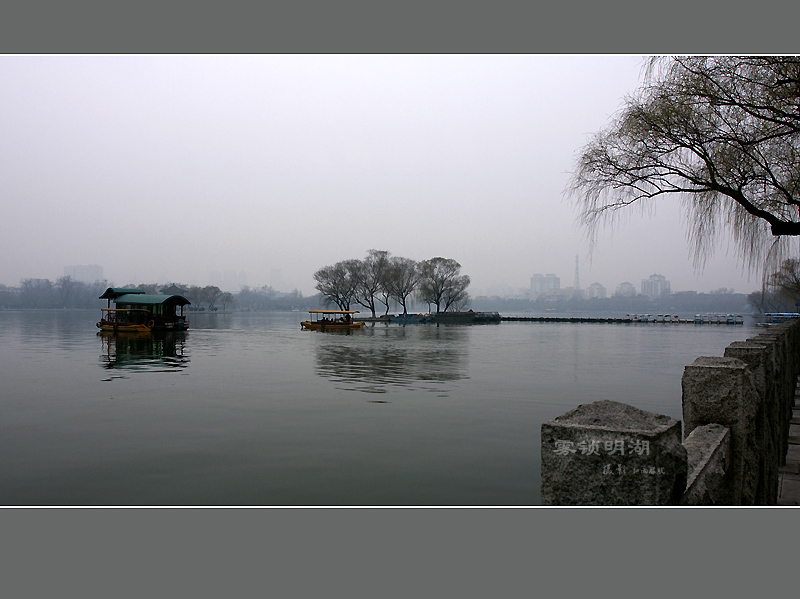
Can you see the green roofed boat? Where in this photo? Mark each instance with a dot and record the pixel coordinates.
(138, 312)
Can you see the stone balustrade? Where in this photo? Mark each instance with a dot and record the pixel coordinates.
(736, 416)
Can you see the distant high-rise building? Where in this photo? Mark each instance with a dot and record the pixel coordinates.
(537, 284)
(596, 290)
(543, 283)
(655, 286)
(626, 289)
(88, 273)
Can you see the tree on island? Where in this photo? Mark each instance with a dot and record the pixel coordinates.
(370, 275)
(720, 133)
(381, 278)
(442, 285)
(337, 283)
(402, 279)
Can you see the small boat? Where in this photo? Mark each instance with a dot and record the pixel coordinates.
(773, 318)
(331, 320)
(138, 312)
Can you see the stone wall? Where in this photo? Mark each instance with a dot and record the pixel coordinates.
(736, 414)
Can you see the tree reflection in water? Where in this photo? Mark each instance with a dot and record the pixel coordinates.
(420, 357)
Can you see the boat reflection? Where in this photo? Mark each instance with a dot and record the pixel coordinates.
(393, 357)
(154, 352)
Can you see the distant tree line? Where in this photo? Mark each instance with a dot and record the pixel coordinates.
(381, 278)
(265, 298)
(66, 292)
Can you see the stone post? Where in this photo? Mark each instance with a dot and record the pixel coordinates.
(768, 417)
(610, 453)
(721, 391)
(780, 384)
(709, 449)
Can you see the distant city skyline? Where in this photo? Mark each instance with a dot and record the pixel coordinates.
(232, 281)
(261, 163)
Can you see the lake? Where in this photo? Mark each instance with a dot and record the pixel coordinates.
(248, 409)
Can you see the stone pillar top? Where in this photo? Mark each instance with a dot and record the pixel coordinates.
(610, 415)
(717, 362)
(610, 453)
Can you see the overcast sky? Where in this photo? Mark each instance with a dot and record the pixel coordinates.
(181, 168)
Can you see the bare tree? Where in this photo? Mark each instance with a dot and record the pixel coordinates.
(402, 279)
(337, 283)
(210, 294)
(67, 288)
(37, 293)
(786, 280)
(225, 299)
(765, 301)
(442, 284)
(370, 274)
(721, 134)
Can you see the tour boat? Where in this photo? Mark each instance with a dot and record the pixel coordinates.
(331, 320)
(138, 312)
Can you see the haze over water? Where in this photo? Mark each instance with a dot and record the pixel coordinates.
(261, 169)
(247, 409)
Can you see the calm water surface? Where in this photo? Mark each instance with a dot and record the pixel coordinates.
(247, 409)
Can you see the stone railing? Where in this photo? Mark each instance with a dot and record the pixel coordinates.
(736, 414)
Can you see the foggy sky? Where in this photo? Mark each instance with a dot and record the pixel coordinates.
(171, 168)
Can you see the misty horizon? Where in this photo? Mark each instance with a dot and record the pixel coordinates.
(219, 280)
(170, 168)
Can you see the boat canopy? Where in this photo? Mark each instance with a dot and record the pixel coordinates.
(333, 311)
(151, 300)
(115, 292)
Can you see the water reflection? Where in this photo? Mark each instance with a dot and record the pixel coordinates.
(153, 352)
(422, 358)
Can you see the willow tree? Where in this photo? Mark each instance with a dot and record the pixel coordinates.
(722, 135)
(338, 283)
(786, 280)
(369, 276)
(442, 284)
(402, 279)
